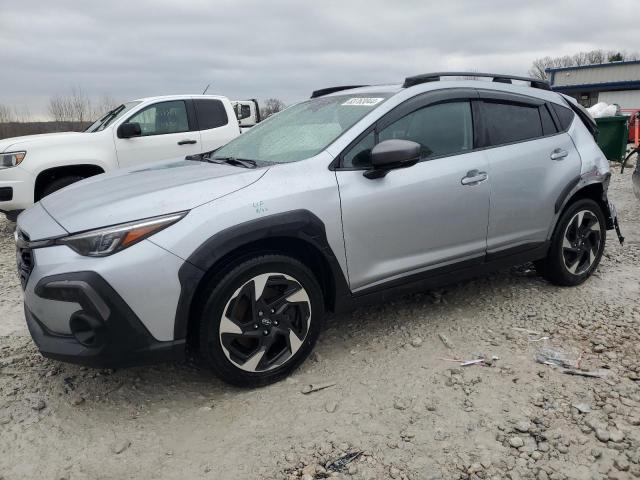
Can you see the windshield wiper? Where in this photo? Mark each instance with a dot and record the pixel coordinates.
(237, 162)
(105, 120)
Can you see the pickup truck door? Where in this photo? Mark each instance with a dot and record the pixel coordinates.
(168, 131)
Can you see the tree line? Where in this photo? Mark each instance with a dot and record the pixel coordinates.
(540, 65)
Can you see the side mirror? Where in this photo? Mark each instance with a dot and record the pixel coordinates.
(128, 130)
(392, 154)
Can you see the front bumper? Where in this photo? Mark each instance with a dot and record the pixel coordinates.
(125, 302)
(104, 331)
(21, 185)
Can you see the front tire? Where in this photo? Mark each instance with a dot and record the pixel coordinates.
(261, 320)
(577, 245)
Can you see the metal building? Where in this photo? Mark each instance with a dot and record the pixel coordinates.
(616, 82)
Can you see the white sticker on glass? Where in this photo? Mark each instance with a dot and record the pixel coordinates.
(363, 101)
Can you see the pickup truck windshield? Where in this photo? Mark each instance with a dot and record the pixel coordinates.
(303, 130)
(110, 116)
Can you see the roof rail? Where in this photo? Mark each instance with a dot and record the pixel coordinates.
(497, 77)
(326, 91)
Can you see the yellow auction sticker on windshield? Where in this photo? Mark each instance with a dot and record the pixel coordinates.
(363, 101)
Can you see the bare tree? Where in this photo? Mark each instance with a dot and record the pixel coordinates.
(60, 109)
(22, 114)
(271, 106)
(6, 114)
(540, 65)
(72, 110)
(80, 105)
(105, 104)
(6, 117)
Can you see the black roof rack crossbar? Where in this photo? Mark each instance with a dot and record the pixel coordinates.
(497, 77)
(326, 91)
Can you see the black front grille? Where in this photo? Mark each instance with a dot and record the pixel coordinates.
(24, 257)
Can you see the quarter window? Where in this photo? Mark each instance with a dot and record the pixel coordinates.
(162, 118)
(509, 123)
(360, 155)
(565, 115)
(211, 114)
(441, 129)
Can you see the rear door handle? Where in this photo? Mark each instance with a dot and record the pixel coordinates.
(474, 177)
(187, 142)
(558, 154)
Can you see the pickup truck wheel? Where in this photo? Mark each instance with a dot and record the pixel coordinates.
(261, 320)
(576, 246)
(59, 183)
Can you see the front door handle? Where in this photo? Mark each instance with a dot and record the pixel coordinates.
(474, 177)
(558, 154)
(187, 142)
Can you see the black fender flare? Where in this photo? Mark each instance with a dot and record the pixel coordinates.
(582, 182)
(298, 224)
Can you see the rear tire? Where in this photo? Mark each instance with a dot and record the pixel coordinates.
(59, 183)
(261, 320)
(576, 246)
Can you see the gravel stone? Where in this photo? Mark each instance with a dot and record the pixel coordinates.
(516, 442)
(120, 446)
(602, 435)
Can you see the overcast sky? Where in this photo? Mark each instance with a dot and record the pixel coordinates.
(282, 48)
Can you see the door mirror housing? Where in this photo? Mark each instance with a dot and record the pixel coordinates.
(129, 129)
(392, 154)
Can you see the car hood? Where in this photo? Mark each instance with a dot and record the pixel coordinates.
(147, 191)
(27, 141)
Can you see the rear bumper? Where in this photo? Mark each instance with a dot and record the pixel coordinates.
(104, 331)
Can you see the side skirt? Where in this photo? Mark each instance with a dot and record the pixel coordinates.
(446, 275)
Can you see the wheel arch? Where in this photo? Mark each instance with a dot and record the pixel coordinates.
(595, 190)
(298, 234)
(50, 174)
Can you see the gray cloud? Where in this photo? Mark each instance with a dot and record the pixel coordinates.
(281, 48)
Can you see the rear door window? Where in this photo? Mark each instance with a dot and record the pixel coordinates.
(511, 122)
(210, 113)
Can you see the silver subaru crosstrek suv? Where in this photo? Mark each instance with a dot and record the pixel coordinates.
(349, 197)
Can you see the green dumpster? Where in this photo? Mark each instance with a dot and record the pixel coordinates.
(613, 136)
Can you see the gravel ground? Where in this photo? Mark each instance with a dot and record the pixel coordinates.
(396, 398)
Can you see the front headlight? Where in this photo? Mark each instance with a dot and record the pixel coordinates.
(11, 159)
(109, 240)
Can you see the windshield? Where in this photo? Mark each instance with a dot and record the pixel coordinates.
(303, 130)
(110, 116)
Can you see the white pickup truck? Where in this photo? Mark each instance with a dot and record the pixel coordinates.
(144, 130)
